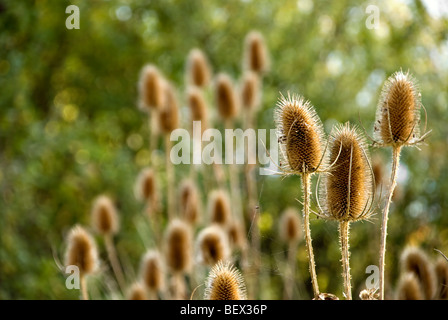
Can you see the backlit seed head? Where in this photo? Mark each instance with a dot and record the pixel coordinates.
(348, 186)
(81, 251)
(441, 269)
(179, 246)
(256, 56)
(198, 68)
(416, 261)
(290, 226)
(146, 188)
(169, 112)
(226, 98)
(236, 233)
(198, 106)
(300, 134)
(104, 216)
(136, 292)
(212, 245)
(190, 208)
(151, 88)
(398, 111)
(225, 282)
(409, 287)
(250, 90)
(152, 271)
(219, 208)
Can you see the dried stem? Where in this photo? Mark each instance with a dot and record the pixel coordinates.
(113, 258)
(343, 234)
(152, 122)
(289, 279)
(83, 281)
(171, 207)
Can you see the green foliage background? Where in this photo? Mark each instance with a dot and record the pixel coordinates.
(70, 128)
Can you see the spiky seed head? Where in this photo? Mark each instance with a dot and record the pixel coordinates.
(226, 98)
(212, 245)
(152, 270)
(236, 235)
(169, 113)
(225, 282)
(81, 251)
(409, 287)
(136, 292)
(348, 186)
(398, 111)
(256, 56)
(198, 68)
(441, 269)
(151, 88)
(416, 261)
(104, 216)
(250, 90)
(290, 226)
(198, 106)
(300, 134)
(190, 206)
(146, 186)
(369, 294)
(219, 208)
(179, 246)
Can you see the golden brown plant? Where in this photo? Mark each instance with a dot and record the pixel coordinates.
(226, 98)
(225, 282)
(409, 287)
(136, 292)
(256, 56)
(146, 189)
(152, 272)
(151, 88)
(441, 270)
(198, 106)
(190, 207)
(198, 68)
(219, 209)
(169, 111)
(212, 245)
(250, 91)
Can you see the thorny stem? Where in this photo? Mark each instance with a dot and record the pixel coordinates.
(343, 234)
(393, 183)
(306, 225)
(113, 258)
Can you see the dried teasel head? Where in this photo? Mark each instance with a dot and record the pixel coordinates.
(198, 68)
(151, 88)
(190, 207)
(225, 282)
(236, 234)
(219, 209)
(256, 56)
(441, 270)
(212, 245)
(81, 251)
(198, 106)
(348, 187)
(104, 216)
(409, 287)
(137, 292)
(226, 98)
(152, 271)
(250, 91)
(179, 246)
(290, 226)
(398, 112)
(169, 112)
(416, 261)
(146, 186)
(300, 134)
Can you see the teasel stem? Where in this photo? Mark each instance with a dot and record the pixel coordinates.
(83, 283)
(393, 182)
(153, 132)
(290, 281)
(179, 287)
(306, 186)
(344, 227)
(113, 258)
(170, 179)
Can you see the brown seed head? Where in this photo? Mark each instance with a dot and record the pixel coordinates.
(409, 287)
(236, 235)
(213, 245)
(300, 133)
(225, 282)
(104, 216)
(81, 251)
(137, 292)
(179, 242)
(289, 227)
(146, 187)
(151, 271)
(189, 202)
(151, 89)
(226, 99)
(255, 54)
(198, 68)
(441, 269)
(219, 207)
(198, 106)
(169, 113)
(398, 111)
(250, 90)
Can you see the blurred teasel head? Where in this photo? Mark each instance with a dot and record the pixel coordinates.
(290, 226)
(198, 68)
(198, 106)
(256, 56)
(169, 113)
(250, 91)
(152, 270)
(81, 251)
(179, 246)
(219, 208)
(212, 245)
(226, 98)
(151, 88)
(104, 216)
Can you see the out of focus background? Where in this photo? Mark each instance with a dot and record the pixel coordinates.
(70, 128)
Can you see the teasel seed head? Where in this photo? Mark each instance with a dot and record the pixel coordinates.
(409, 287)
(190, 206)
(198, 68)
(169, 113)
(137, 292)
(250, 91)
(348, 188)
(441, 269)
(104, 216)
(300, 134)
(290, 226)
(219, 208)
(225, 282)
(198, 106)
(415, 260)
(212, 245)
(152, 271)
(256, 56)
(398, 111)
(146, 188)
(151, 88)
(226, 98)
(369, 294)
(179, 246)
(81, 251)
(236, 235)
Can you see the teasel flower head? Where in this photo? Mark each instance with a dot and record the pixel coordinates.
(169, 112)
(226, 98)
(136, 292)
(219, 209)
(146, 188)
(198, 69)
(152, 271)
(104, 216)
(250, 90)
(409, 287)
(198, 106)
(290, 225)
(225, 282)
(256, 57)
(190, 206)
(212, 245)
(398, 112)
(236, 234)
(301, 136)
(179, 246)
(348, 187)
(151, 88)
(81, 251)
